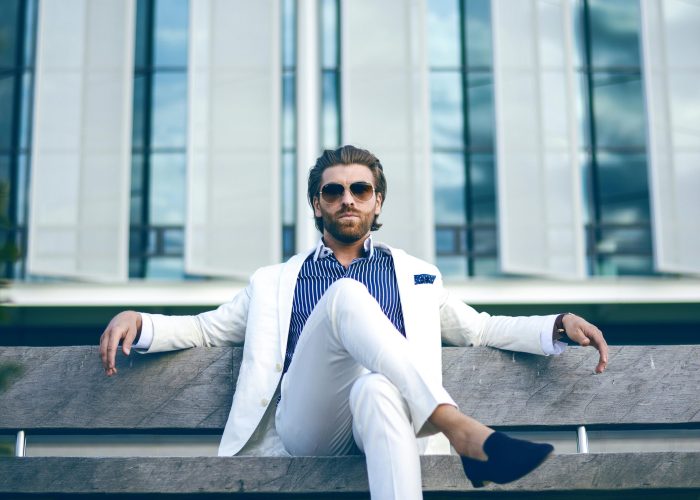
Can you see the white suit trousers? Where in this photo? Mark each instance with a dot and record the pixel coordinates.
(352, 375)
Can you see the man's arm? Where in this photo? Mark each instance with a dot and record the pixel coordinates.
(224, 326)
(462, 325)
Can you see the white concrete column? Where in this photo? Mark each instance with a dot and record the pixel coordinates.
(233, 145)
(671, 43)
(386, 109)
(81, 151)
(539, 187)
(308, 115)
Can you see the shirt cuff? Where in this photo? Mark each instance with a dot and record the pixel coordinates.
(549, 345)
(146, 337)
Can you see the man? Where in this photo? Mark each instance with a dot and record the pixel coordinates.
(342, 347)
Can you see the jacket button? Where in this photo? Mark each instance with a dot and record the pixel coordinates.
(263, 402)
(278, 367)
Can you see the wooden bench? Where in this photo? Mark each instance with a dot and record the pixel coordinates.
(63, 390)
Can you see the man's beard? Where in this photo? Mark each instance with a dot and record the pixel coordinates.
(348, 233)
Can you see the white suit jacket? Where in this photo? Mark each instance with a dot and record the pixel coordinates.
(258, 317)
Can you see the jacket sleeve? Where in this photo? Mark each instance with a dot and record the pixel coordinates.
(223, 326)
(462, 325)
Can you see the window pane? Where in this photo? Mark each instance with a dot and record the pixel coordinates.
(329, 34)
(289, 57)
(5, 182)
(141, 58)
(173, 241)
(169, 110)
(480, 108)
(137, 193)
(22, 189)
(452, 266)
(486, 266)
(446, 110)
(484, 242)
(171, 33)
(7, 83)
(635, 241)
(623, 189)
(165, 268)
(482, 194)
(619, 110)
(449, 187)
(443, 34)
(30, 32)
(139, 113)
(614, 32)
(9, 10)
(25, 125)
(167, 189)
(288, 188)
(625, 265)
(478, 32)
(330, 113)
(289, 132)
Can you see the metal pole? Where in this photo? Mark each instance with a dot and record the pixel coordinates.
(582, 440)
(20, 445)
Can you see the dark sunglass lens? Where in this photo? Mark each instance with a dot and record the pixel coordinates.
(361, 190)
(332, 192)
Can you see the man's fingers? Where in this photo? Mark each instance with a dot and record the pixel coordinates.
(112, 344)
(128, 339)
(602, 346)
(103, 347)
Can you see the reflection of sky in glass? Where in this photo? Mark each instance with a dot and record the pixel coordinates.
(448, 188)
(136, 187)
(446, 109)
(619, 110)
(330, 130)
(25, 124)
(141, 41)
(165, 267)
(139, 112)
(480, 108)
(22, 191)
(30, 29)
(443, 29)
(171, 32)
(614, 32)
(478, 33)
(623, 188)
(167, 189)
(483, 189)
(288, 188)
(6, 104)
(329, 34)
(452, 266)
(169, 110)
(289, 57)
(8, 32)
(288, 111)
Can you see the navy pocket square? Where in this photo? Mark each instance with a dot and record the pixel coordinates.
(421, 279)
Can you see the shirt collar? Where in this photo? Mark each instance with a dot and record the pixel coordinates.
(322, 251)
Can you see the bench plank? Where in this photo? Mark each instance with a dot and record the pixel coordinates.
(305, 475)
(64, 388)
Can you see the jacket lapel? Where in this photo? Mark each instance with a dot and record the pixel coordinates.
(285, 297)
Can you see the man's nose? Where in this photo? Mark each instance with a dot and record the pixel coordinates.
(347, 198)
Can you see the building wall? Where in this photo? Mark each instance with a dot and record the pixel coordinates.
(516, 141)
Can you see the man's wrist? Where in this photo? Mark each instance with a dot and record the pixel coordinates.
(559, 329)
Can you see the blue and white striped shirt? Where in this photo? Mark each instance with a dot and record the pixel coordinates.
(321, 269)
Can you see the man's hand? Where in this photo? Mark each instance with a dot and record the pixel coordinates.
(123, 327)
(582, 332)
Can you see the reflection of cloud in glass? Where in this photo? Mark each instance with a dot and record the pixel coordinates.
(480, 108)
(171, 32)
(330, 135)
(288, 34)
(448, 186)
(446, 109)
(169, 110)
(478, 33)
(614, 28)
(623, 188)
(443, 33)
(167, 194)
(329, 34)
(288, 110)
(619, 110)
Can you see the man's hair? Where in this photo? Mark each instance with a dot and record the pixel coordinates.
(345, 155)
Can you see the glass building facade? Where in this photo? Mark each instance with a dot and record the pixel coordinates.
(17, 54)
(611, 113)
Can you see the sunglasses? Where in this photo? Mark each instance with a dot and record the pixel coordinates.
(333, 192)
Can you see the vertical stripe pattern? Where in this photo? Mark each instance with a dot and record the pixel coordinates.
(375, 271)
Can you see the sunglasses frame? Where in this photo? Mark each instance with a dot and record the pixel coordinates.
(349, 188)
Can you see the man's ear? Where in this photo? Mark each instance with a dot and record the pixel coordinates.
(378, 208)
(317, 207)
